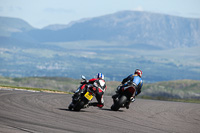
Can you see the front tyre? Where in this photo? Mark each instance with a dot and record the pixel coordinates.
(122, 100)
(70, 107)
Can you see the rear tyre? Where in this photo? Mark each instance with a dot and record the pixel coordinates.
(79, 105)
(119, 103)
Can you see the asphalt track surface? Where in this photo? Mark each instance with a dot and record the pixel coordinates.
(33, 112)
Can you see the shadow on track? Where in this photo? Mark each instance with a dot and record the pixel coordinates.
(108, 109)
(64, 109)
(105, 109)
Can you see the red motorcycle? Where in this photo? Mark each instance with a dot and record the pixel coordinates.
(124, 97)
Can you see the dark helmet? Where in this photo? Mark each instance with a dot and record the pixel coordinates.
(138, 72)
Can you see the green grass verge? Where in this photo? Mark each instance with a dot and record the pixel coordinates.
(170, 99)
(34, 89)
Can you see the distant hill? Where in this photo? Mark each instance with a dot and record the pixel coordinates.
(12, 25)
(55, 27)
(165, 47)
(129, 27)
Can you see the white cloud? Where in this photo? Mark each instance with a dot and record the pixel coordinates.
(139, 8)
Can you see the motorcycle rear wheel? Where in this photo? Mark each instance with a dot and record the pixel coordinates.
(79, 105)
(122, 100)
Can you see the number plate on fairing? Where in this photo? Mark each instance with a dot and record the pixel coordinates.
(88, 96)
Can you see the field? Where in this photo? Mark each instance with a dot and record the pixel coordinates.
(115, 60)
(179, 90)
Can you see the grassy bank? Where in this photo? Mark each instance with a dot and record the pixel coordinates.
(34, 89)
(179, 90)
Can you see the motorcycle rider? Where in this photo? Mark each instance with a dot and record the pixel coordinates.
(133, 79)
(100, 86)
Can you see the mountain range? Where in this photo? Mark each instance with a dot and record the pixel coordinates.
(165, 47)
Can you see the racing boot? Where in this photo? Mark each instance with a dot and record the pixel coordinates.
(132, 99)
(86, 106)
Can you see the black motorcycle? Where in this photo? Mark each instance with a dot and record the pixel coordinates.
(123, 99)
(81, 100)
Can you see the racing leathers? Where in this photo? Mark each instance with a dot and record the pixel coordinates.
(100, 86)
(131, 80)
(134, 80)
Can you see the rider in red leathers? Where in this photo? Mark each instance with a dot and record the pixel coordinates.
(99, 86)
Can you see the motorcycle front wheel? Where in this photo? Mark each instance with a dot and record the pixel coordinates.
(79, 105)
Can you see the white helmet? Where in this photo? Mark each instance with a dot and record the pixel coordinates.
(100, 75)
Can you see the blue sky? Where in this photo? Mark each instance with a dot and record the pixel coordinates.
(40, 13)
